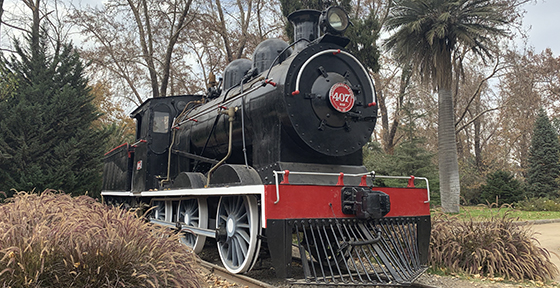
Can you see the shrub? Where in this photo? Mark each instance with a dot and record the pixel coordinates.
(539, 204)
(502, 186)
(493, 247)
(54, 240)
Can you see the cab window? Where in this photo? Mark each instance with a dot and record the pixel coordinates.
(161, 122)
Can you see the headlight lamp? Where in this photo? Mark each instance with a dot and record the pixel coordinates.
(334, 20)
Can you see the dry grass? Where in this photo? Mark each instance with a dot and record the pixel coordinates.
(54, 240)
(493, 247)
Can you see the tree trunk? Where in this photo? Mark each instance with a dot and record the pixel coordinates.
(477, 137)
(146, 41)
(1, 12)
(173, 38)
(447, 146)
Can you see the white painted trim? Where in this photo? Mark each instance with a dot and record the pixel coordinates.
(212, 191)
(335, 51)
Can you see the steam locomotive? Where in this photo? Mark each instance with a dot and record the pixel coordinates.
(270, 158)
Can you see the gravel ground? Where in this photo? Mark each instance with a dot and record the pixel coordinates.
(432, 280)
(457, 282)
(547, 236)
(263, 272)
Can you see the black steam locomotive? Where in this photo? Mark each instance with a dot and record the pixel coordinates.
(272, 155)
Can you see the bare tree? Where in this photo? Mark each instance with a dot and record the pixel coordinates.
(138, 54)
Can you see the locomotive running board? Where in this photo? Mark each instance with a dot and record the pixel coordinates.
(357, 252)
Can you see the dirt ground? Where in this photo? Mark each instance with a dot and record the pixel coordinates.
(547, 233)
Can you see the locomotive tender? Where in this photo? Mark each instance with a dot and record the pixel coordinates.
(273, 155)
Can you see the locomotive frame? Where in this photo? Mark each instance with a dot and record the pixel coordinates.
(273, 156)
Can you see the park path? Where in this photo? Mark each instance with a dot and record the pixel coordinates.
(548, 235)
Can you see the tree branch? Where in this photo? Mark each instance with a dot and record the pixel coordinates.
(458, 129)
(478, 90)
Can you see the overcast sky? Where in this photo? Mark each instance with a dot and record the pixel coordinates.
(543, 19)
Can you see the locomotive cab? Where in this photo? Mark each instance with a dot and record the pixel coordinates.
(146, 159)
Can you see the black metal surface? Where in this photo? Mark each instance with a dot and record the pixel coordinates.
(189, 180)
(281, 127)
(232, 175)
(279, 239)
(314, 121)
(327, 171)
(117, 169)
(268, 51)
(375, 252)
(364, 203)
(235, 71)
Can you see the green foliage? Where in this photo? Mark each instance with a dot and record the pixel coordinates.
(363, 33)
(289, 6)
(539, 204)
(426, 31)
(494, 247)
(409, 159)
(46, 134)
(501, 187)
(53, 240)
(363, 37)
(485, 212)
(544, 159)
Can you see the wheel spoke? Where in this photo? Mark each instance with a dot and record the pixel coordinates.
(243, 225)
(193, 212)
(242, 244)
(243, 235)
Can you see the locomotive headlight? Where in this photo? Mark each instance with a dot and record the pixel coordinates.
(334, 20)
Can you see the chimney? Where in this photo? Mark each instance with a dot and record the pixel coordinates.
(306, 26)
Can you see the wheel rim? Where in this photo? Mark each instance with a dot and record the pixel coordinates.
(240, 216)
(193, 212)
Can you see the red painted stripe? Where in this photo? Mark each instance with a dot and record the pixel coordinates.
(116, 148)
(306, 201)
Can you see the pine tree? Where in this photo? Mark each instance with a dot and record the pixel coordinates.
(46, 134)
(544, 156)
(501, 188)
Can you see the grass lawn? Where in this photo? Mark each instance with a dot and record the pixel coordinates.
(484, 213)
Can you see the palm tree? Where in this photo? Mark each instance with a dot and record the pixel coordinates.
(426, 33)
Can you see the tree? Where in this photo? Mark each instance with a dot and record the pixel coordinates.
(121, 128)
(501, 187)
(530, 82)
(544, 157)
(427, 32)
(135, 41)
(46, 132)
(409, 157)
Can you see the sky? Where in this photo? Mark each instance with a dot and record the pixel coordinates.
(543, 20)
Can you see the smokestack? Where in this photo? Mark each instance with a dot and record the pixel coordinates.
(306, 26)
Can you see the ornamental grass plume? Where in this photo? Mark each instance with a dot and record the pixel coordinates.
(494, 247)
(54, 240)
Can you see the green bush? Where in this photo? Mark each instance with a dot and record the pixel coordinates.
(495, 247)
(54, 240)
(539, 204)
(501, 188)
